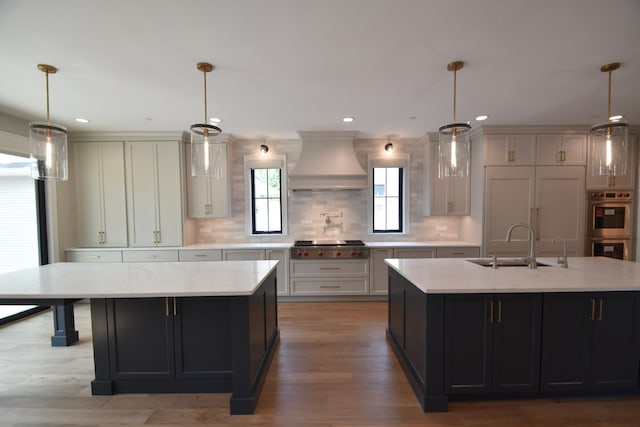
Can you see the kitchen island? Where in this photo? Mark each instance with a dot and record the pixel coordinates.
(465, 331)
(170, 326)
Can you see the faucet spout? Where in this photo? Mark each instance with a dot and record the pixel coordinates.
(532, 239)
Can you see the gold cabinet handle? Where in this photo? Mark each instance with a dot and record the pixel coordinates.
(490, 311)
(600, 309)
(166, 306)
(175, 307)
(538, 223)
(499, 311)
(329, 286)
(329, 268)
(593, 309)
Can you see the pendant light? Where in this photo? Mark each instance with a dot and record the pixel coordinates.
(609, 140)
(48, 143)
(206, 154)
(453, 142)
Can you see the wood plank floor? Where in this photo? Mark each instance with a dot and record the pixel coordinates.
(333, 368)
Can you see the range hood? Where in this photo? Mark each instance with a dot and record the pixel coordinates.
(327, 162)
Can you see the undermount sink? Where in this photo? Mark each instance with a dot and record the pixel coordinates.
(505, 262)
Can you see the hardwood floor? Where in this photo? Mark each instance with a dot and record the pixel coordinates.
(333, 368)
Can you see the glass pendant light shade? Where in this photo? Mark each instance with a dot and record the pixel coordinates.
(609, 144)
(48, 143)
(454, 146)
(453, 150)
(48, 151)
(206, 150)
(609, 140)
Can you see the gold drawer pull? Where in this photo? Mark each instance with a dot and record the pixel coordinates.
(329, 286)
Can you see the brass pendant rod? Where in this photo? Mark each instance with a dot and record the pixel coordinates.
(204, 73)
(47, 86)
(609, 101)
(455, 72)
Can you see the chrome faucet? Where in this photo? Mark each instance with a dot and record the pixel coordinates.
(562, 260)
(532, 239)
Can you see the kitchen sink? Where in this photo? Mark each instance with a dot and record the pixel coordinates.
(505, 262)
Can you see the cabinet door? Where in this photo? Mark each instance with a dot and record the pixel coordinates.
(566, 338)
(282, 269)
(168, 199)
(516, 342)
(468, 340)
(142, 193)
(615, 355)
(624, 181)
(101, 216)
(560, 209)
(561, 150)
(509, 199)
(154, 196)
(379, 270)
(202, 337)
(141, 345)
(510, 150)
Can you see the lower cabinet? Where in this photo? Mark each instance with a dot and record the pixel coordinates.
(169, 338)
(492, 343)
(590, 342)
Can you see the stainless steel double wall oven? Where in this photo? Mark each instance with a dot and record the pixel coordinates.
(610, 224)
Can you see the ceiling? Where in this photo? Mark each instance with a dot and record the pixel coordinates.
(288, 65)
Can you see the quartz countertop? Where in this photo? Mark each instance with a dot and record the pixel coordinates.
(136, 280)
(585, 274)
(425, 244)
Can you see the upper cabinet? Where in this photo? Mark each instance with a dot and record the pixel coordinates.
(624, 181)
(510, 150)
(446, 196)
(154, 193)
(208, 196)
(100, 202)
(561, 150)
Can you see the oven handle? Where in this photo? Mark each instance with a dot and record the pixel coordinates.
(611, 204)
(609, 239)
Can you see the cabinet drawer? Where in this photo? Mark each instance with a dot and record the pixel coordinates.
(457, 252)
(200, 255)
(243, 254)
(329, 268)
(149, 256)
(355, 286)
(94, 256)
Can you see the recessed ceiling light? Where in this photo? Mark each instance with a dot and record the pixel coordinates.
(81, 120)
(348, 119)
(616, 118)
(215, 120)
(482, 117)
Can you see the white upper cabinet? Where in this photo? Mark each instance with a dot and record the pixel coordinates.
(561, 150)
(100, 201)
(448, 196)
(624, 181)
(154, 193)
(207, 196)
(510, 150)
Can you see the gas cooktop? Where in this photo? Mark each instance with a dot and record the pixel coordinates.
(319, 249)
(328, 242)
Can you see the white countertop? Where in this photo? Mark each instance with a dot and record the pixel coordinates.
(136, 280)
(425, 244)
(585, 274)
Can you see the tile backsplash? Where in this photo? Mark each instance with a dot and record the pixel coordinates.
(306, 208)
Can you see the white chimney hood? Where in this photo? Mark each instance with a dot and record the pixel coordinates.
(327, 162)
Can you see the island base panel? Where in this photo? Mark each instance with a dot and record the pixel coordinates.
(64, 325)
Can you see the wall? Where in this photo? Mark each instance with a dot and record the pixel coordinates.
(305, 207)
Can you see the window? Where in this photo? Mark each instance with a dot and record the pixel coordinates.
(266, 195)
(266, 204)
(387, 200)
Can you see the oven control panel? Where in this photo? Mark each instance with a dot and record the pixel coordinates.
(618, 196)
(330, 253)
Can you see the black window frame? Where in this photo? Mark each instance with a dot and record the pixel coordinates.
(401, 196)
(253, 206)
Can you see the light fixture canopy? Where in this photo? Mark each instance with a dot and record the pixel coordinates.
(609, 140)
(453, 142)
(48, 143)
(206, 153)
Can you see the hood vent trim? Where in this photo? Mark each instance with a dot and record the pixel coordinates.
(327, 162)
